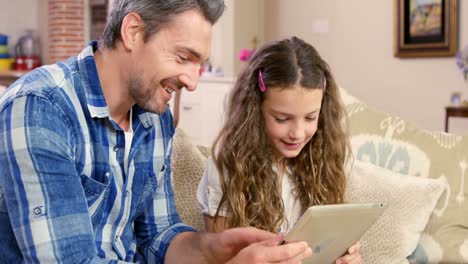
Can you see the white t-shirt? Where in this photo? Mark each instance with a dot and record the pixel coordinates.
(128, 143)
(209, 195)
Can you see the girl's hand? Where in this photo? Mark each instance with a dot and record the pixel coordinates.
(353, 256)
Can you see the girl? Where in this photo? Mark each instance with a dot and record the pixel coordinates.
(283, 145)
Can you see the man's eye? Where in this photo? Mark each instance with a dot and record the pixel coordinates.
(183, 58)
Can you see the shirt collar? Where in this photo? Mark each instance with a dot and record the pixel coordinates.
(95, 100)
(89, 76)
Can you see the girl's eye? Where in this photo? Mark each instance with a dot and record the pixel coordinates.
(311, 118)
(280, 120)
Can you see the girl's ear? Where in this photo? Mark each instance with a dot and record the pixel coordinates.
(131, 31)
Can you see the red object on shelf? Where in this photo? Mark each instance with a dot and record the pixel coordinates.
(27, 51)
(27, 63)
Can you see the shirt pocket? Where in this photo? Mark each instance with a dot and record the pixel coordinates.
(146, 191)
(96, 194)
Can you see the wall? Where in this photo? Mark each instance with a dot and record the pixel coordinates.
(98, 15)
(60, 24)
(241, 21)
(356, 38)
(222, 42)
(16, 18)
(43, 12)
(66, 28)
(248, 25)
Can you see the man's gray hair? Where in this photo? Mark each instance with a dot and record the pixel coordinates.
(155, 14)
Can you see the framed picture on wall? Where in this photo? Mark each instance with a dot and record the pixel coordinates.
(425, 28)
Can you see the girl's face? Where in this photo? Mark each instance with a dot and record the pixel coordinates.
(291, 117)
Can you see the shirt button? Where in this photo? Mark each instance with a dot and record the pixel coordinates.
(116, 148)
(116, 238)
(38, 210)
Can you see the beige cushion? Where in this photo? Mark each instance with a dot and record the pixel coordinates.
(187, 168)
(410, 201)
(396, 144)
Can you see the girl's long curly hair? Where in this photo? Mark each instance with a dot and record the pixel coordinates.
(243, 154)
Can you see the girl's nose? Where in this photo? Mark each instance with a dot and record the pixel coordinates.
(297, 131)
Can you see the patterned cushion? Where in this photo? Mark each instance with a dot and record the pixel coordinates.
(187, 169)
(205, 151)
(396, 144)
(396, 233)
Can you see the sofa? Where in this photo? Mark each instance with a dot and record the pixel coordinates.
(419, 174)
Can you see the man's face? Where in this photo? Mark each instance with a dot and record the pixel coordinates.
(169, 60)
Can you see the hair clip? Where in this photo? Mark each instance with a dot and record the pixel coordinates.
(261, 84)
(324, 83)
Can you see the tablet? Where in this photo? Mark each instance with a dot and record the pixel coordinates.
(331, 229)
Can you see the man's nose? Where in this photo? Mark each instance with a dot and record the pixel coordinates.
(191, 77)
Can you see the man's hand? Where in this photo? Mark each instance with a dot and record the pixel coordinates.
(269, 251)
(353, 256)
(251, 245)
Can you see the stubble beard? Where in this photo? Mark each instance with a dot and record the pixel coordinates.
(138, 92)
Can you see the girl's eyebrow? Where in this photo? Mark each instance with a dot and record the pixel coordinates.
(287, 114)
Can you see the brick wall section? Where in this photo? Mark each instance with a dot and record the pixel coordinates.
(66, 28)
(98, 20)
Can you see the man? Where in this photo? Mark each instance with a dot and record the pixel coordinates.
(85, 150)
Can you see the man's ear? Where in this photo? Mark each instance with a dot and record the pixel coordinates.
(131, 30)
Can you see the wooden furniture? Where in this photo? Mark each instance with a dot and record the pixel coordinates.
(455, 111)
(200, 113)
(8, 77)
(175, 106)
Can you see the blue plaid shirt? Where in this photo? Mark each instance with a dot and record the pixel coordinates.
(61, 162)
